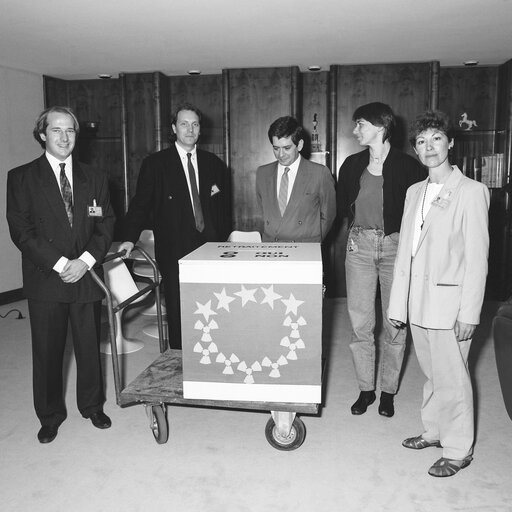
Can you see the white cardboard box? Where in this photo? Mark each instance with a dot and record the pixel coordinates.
(251, 316)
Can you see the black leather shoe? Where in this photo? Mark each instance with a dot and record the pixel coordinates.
(47, 433)
(365, 399)
(386, 406)
(100, 420)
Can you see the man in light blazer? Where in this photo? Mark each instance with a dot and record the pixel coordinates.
(295, 197)
(184, 195)
(438, 285)
(60, 218)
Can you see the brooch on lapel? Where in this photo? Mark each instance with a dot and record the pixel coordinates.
(442, 201)
(214, 190)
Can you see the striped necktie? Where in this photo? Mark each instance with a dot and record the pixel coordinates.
(283, 191)
(67, 196)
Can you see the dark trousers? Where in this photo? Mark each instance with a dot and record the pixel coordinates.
(170, 280)
(49, 326)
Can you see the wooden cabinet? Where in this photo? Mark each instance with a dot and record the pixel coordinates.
(478, 100)
(469, 94)
(127, 118)
(504, 123)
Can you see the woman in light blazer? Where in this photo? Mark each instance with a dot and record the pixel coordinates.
(438, 285)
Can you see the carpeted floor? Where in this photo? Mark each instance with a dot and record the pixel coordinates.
(219, 460)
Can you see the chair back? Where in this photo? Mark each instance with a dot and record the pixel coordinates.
(119, 280)
(147, 242)
(245, 236)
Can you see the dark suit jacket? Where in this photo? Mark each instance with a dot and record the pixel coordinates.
(40, 229)
(310, 211)
(162, 203)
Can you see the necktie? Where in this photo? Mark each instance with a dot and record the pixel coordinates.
(65, 189)
(283, 191)
(198, 212)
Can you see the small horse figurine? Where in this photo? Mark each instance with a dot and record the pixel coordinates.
(470, 124)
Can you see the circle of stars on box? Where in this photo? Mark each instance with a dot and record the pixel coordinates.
(209, 352)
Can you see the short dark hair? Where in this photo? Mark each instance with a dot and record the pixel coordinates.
(286, 126)
(185, 106)
(42, 122)
(434, 119)
(379, 114)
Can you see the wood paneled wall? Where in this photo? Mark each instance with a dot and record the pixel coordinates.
(256, 97)
(314, 101)
(470, 90)
(407, 88)
(205, 92)
(134, 115)
(504, 122)
(99, 102)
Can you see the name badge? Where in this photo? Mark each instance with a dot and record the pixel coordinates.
(94, 210)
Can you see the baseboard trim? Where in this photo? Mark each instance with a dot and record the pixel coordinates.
(11, 296)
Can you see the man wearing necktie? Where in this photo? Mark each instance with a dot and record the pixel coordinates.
(295, 197)
(60, 239)
(184, 195)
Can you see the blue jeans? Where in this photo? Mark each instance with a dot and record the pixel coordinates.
(371, 259)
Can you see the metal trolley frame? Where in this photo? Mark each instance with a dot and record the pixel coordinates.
(161, 383)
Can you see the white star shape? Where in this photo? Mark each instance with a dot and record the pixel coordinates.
(270, 296)
(292, 304)
(246, 295)
(224, 299)
(205, 310)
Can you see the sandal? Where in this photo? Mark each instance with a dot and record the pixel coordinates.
(448, 467)
(418, 443)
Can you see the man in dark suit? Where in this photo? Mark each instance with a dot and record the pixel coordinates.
(295, 197)
(184, 194)
(60, 218)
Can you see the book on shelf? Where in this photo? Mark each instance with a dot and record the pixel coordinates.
(488, 169)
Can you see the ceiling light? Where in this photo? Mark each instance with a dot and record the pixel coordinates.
(314, 68)
(471, 63)
(104, 76)
(194, 72)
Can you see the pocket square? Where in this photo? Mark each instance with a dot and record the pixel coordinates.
(214, 190)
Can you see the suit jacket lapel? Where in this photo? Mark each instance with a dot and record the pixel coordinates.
(204, 179)
(276, 213)
(50, 189)
(299, 185)
(80, 189)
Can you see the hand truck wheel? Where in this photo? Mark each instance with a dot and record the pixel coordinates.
(291, 442)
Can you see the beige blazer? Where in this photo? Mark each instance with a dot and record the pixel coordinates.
(310, 211)
(445, 281)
